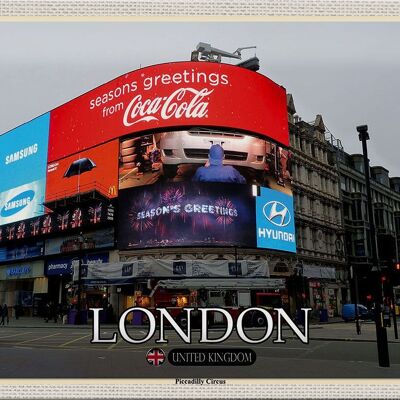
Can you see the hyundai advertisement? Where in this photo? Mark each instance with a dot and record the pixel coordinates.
(170, 95)
(23, 160)
(275, 221)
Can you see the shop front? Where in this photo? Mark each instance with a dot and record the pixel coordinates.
(59, 272)
(19, 285)
(324, 289)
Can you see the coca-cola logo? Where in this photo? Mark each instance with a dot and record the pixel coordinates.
(182, 103)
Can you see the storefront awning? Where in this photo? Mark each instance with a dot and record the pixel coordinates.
(312, 271)
(220, 284)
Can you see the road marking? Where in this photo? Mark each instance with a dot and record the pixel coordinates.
(73, 340)
(40, 338)
(114, 344)
(319, 346)
(17, 334)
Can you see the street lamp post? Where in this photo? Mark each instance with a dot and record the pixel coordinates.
(81, 240)
(353, 276)
(381, 334)
(79, 303)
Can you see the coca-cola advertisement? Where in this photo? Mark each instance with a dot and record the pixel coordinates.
(186, 214)
(168, 96)
(204, 155)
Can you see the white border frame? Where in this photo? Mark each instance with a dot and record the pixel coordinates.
(175, 10)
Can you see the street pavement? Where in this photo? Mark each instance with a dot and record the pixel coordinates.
(32, 348)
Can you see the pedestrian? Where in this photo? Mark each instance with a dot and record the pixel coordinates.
(4, 314)
(47, 311)
(55, 312)
(1, 315)
(64, 312)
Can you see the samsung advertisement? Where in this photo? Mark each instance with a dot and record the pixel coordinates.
(23, 160)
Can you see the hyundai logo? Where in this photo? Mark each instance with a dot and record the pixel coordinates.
(277, 213)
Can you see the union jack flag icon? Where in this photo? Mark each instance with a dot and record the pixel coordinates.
(155, 357)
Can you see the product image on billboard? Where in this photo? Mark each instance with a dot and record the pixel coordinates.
(186, 214)
(167, 96)
(204, 155)
(23, 160)
(80, 242)
(275, 220)
(10, 253)
(94, 169)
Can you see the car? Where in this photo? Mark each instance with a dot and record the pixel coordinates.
(348, 312)
(192, 147)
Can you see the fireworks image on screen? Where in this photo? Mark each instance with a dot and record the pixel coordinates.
(11, 232)
(76, 220)
(21, 230)
(140, 204)
(47, 224)
(95, 214)
(172, 197)
(35, 227)
(63, 220)
(224, 204)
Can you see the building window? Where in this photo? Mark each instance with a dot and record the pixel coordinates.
(342, 183)
(310, 177)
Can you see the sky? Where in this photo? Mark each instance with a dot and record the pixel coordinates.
(346, 71)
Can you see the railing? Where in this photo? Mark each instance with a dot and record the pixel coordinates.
(83, 189)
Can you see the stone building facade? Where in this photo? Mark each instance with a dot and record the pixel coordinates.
(386, 204)
(320, 256)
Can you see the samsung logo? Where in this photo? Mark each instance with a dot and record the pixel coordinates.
(17, 203)
(21, 154)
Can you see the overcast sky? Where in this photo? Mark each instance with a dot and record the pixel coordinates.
(348, 72)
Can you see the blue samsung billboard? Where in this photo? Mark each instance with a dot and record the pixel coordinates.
(23, 163)
(275, 228)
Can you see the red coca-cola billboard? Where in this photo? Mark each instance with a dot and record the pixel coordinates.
(166, 96)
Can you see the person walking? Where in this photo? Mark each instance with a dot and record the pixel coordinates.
(1, 315)
(4, 315)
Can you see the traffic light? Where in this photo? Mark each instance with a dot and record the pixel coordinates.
(396, 274)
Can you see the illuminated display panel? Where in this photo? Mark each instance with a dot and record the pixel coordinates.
(205, 187)
(93, 169)
(23, 159)
(168, 96)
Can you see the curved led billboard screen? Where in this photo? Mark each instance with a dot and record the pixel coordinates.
(167, 96)
(194, 151)
(203, 155)
(204, 187)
